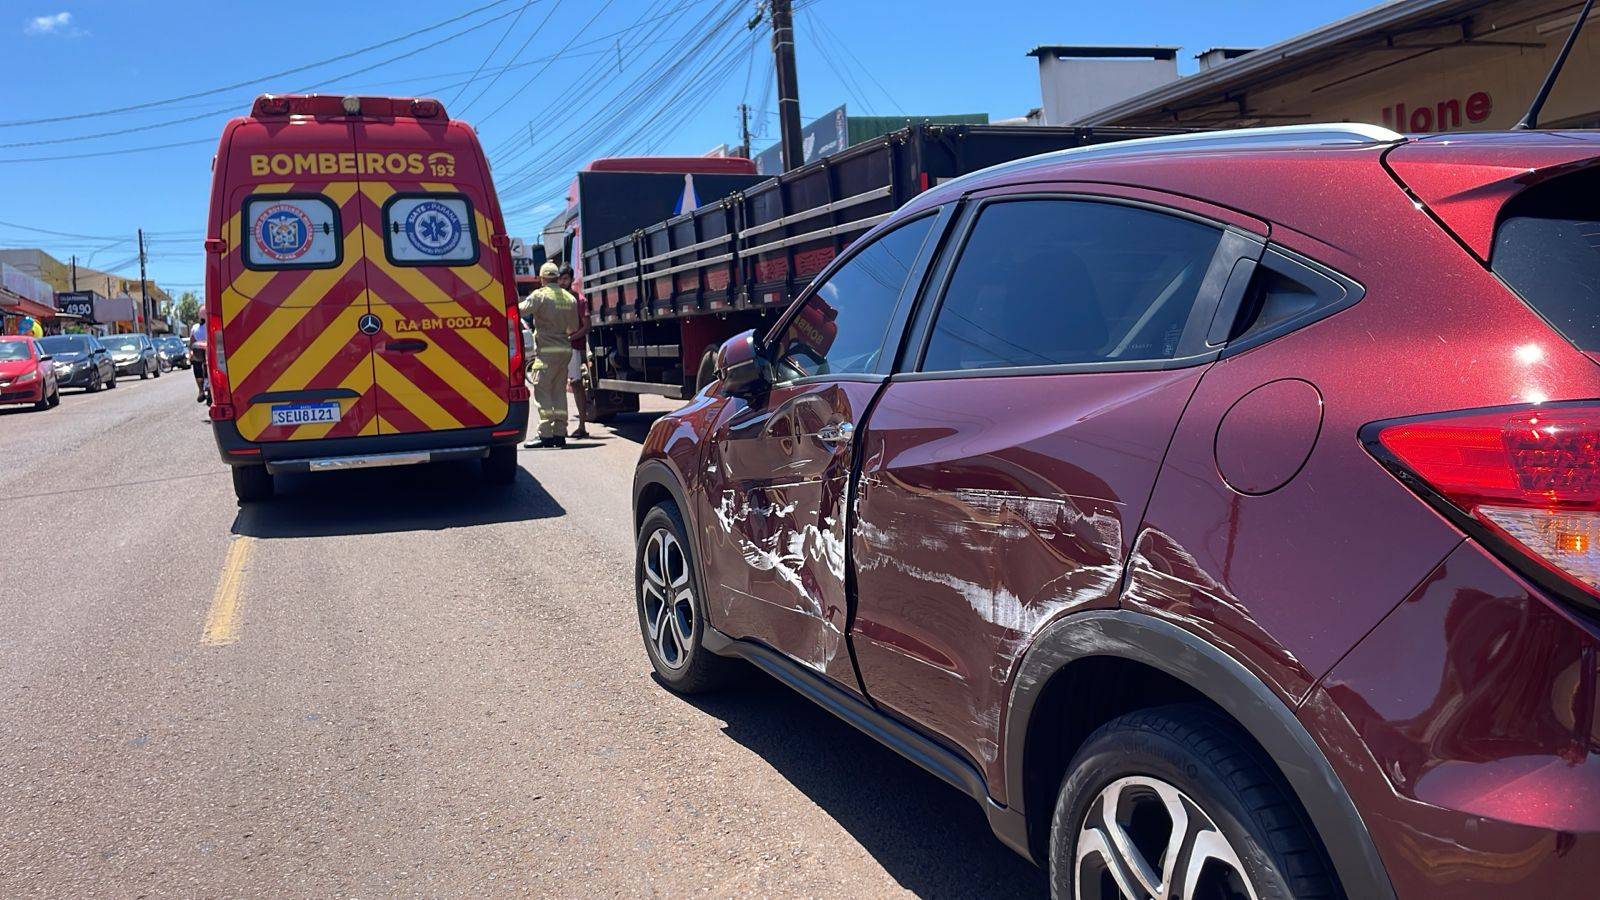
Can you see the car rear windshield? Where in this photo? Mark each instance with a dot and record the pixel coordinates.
(1547, 248)
(64, 344)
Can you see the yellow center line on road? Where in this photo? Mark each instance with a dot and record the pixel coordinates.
(222, 621)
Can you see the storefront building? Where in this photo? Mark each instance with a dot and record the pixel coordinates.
(1415, 66)
(24, 302)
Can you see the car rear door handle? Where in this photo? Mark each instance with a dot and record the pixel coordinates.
(409, 345)
(836, 434)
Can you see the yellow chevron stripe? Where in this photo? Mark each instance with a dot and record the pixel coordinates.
(414, 399)
(249, 352)
(360, 381)
(379, 425)
(491, 404)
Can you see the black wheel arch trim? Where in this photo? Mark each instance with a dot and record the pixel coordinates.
(1167, 648)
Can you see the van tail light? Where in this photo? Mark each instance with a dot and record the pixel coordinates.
(217, 363)
(426, 109)
(517, 361)
(1523, 480)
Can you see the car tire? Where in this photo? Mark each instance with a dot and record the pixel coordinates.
(500, 466)
(252, 484)
(97, 383)
(55, 397)
(158, 370)
(1235, 807)
(44, 402)
(144, 371)
(671, 608)
(113, 382)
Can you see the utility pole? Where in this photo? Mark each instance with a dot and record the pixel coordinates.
(74, 271)
(788, 83)
(144, 297)
(744, 130)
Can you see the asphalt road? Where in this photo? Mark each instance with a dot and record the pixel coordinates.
(397, 682)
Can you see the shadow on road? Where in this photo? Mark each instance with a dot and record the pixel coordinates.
(633, 426)
(931, 838)
(403, 498)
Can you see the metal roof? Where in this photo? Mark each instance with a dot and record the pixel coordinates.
(1106, 51)
(1287, 56)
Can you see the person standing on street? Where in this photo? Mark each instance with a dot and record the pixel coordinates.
(580, 341)
(552, 313)
(197, 357)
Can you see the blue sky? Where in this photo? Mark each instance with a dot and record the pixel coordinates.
(585, 77)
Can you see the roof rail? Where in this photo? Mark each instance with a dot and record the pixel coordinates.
(1275, 137)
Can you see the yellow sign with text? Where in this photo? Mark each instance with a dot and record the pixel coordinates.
(438, 164)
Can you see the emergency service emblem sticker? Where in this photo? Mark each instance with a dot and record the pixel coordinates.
(433, 228)
(282, 232)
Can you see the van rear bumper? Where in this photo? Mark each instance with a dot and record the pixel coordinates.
(373, 450)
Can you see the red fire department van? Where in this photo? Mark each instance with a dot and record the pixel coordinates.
(359, 293)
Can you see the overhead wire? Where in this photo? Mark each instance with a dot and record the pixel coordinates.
(492, 51)
(496, 80)
(250, 81)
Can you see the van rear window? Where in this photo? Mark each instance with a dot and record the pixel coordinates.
(429, 230)
(291, 231)
(1547, 248)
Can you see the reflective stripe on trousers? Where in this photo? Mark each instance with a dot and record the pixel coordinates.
(550, 391)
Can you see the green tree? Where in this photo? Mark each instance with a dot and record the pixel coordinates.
(188, 309)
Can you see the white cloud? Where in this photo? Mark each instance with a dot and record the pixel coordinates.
(57, 24)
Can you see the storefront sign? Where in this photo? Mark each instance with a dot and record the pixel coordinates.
(1446, 115)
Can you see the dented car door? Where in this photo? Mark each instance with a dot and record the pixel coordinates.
(779, 466)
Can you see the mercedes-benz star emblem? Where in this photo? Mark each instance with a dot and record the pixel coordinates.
(370, 324)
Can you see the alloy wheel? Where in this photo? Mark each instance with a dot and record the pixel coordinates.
(667, 596)
(1143, 839)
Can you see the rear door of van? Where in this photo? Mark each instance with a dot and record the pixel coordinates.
(434, 277)
(294, 283)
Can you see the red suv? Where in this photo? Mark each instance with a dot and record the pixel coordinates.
(1221, 512)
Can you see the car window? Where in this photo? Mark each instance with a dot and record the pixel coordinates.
(1547, 248)
(1057, 282)
(291, 231)
(840, 329)
(14, 350)
(64, 344)
(430, 229)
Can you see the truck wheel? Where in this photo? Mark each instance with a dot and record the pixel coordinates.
(500, 466)
(252, 484)
(671, 606)
(1175, 802)
(707, 372)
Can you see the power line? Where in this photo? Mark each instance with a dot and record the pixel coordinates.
(518, 92)
(239, 84)
(515, 56)
(492, 51)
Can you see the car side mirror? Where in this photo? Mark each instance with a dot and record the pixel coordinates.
(742, 364)
(100, 351)
(45, 357)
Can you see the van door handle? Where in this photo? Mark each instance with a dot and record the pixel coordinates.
(836, 434)
(409, 345)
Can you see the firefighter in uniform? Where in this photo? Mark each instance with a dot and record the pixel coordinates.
(552, 313)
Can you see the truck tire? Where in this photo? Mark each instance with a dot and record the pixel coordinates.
(252, 484)
(1116, 803)
(500, 466)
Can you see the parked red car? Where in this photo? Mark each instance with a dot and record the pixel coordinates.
(1221, 512)
(26, 375)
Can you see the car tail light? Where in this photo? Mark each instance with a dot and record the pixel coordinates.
(1525, 479)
